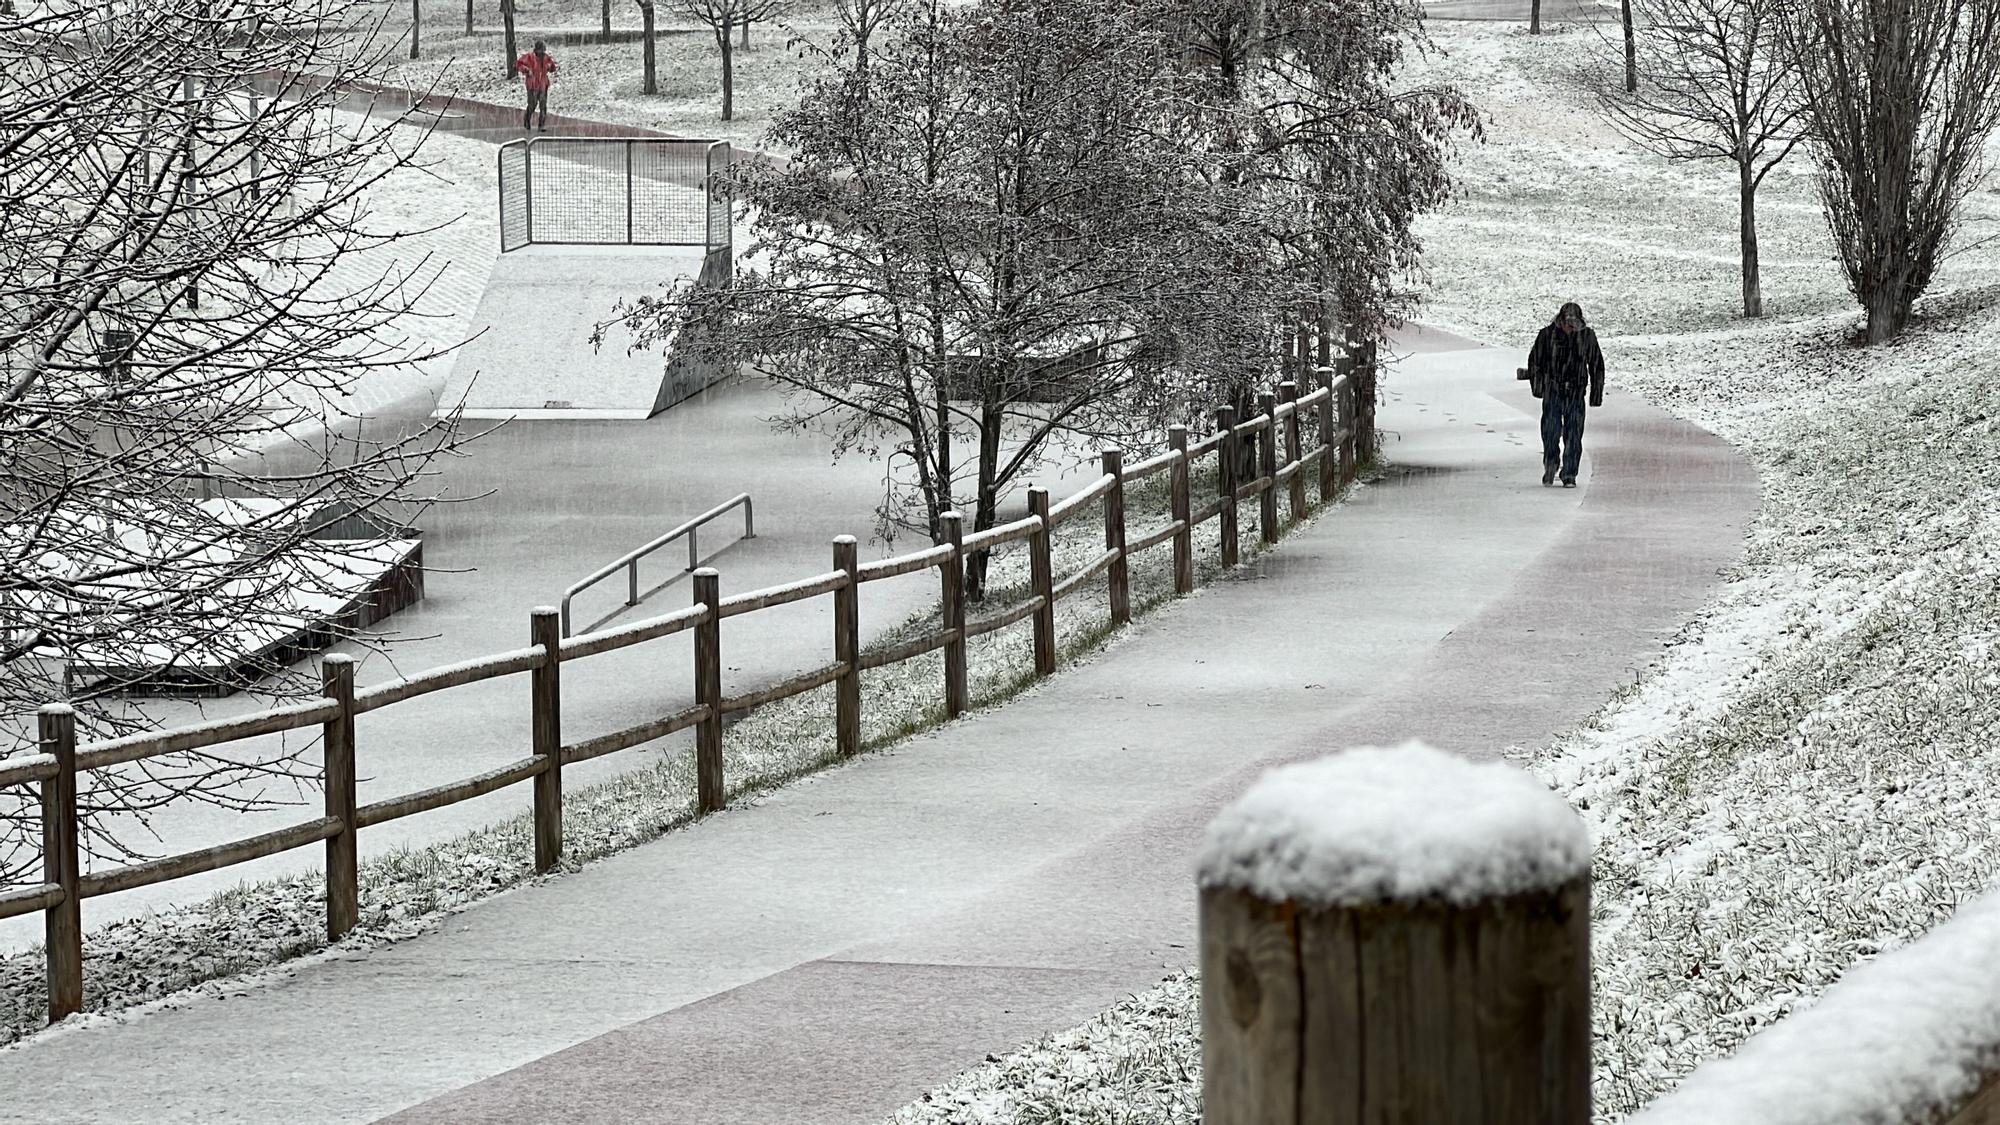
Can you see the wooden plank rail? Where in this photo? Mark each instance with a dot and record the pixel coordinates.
(648, 731)
(27, 900)
(26, 768)
(904, 564)
(999, 621)
(590, 644)
(447, 676)
(208, 859)
(450, 793)
(791, 592)
(797, 685)
(62, 886)
(896, 654)
(138, 747)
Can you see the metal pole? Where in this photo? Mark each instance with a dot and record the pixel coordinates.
(694, 555)
(528, 184)
(628, 192)
(749, 519)
(632, 582)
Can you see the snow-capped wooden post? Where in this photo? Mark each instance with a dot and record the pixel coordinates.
(1288, 392)
(1183, 507)
(62, 921)
(1117, 578)
(1226, 459)
(709, 793)
(847, 648)
(343, 851)
(1393, 935)
(545, 725)
(1329, 439)
(956, 697)
(1041, 572)
(1267, 469)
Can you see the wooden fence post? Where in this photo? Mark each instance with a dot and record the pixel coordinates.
(1119, 577)
(953, 572)
(709, 796)
(1183, 508)
(343, 851)
(1329, 439)
(1350, 445)
(1438, 978)
(545, 692)
(1296, 497)
(1041, 570)
(1267, 469)
(1227, 455)
(62, 923)
(847, 648)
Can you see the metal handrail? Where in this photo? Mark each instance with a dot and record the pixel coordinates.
(629, 561)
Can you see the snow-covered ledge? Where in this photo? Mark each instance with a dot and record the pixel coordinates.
(1910, 1038)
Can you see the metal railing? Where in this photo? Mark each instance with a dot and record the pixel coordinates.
(632, 191)
(629, 561)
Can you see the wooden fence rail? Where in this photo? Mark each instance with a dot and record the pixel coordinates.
(56, 768)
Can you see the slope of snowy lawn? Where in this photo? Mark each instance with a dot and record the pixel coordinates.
(1811, 774)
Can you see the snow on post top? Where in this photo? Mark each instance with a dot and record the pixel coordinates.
(1401, 824)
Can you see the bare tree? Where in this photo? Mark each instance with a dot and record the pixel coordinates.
(507, 41)
(720, 17)
(606, 24)
(170, 467)
(468, 18)
(416, 26)
(646, 18)
(1534, 17)
(860, 19)
(1715, 85)
(1901, 97)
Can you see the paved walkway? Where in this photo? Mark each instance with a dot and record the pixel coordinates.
(847, 943)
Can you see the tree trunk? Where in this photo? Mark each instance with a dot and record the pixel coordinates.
(1887, 312)
(606, 24)
(652, 73)
(986, 508)
(728, 76)
(1535, 17)
(468, 17)
(1753, 289)
(1631, 49)
(746, 35)
(416, 25)
(507, 20)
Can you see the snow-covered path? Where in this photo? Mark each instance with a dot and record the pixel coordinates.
(849, 942)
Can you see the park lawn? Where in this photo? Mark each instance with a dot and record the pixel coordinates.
(1810, 775)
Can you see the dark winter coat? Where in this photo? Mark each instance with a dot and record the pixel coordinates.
(1568, 362)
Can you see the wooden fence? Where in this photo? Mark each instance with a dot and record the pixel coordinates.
(55, 769)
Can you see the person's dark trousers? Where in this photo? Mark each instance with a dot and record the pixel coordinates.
(1562, 430)
(537, 99)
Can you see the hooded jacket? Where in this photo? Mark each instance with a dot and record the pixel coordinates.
(1569, 361)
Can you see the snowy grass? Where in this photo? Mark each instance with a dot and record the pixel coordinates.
(1811, 773)
(211, 945)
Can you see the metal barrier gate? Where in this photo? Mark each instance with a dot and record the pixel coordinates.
(613, 191)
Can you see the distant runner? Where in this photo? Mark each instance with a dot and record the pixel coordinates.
(1564, 363)
(536, 68)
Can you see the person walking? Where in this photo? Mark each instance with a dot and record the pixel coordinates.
(1566, 364)
(536, 67)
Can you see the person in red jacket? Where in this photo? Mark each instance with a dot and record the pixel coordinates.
(536, 68)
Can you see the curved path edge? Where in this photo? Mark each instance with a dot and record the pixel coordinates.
(848, 943)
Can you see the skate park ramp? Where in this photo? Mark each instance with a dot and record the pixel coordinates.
(531, 354)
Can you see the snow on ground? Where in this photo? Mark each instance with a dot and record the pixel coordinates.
(1811, 773)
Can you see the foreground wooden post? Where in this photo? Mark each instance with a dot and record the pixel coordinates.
(1422, 972)
(953, 571)
(1267, 469)
(847, 648)
(1119, 577)
(1183, 508)
(1041, 571)
(1227, 456)
(62, 923)
(709, 796)
(545, 694)
(343, 851)
(1350, 429)
(1296, 497)
(1329, 438)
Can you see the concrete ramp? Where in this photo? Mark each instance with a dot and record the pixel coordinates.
(532, 356)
